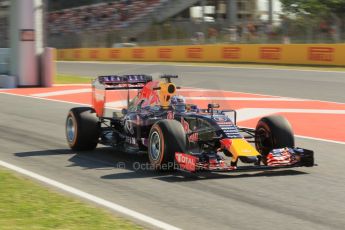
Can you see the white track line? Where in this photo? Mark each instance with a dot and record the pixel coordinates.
(62, 92)
(88, 84)
(320, 139)
(251, 113)
(244, 98)
(90, 197)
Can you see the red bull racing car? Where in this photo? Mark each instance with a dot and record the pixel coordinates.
(178, 135)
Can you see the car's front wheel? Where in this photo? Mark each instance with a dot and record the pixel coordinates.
(165, 139)
(273, 132)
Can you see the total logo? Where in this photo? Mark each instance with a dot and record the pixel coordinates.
(186, 161)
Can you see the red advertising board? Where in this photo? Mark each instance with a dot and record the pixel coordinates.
(194, 52)
(165, 53)
(270, 53)
(231, 53)
(325, 54)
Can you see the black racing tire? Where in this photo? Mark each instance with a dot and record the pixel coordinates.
(82, 129)
(166, 137)
(273, 132)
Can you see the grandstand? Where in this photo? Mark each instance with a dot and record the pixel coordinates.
(102, 23)
(106, 23)
(107, 16)
(4, 4)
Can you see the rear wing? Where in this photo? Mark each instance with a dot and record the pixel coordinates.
(114, 82)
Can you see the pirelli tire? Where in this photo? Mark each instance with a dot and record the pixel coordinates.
(166, 137)
(273, 132)
(82, 129)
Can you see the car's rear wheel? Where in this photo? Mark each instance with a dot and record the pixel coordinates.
(166, 137)
(82, 128)
(273, 132)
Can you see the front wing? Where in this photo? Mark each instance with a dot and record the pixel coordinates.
(276, 159)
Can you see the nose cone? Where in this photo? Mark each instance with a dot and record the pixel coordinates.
(242, 148)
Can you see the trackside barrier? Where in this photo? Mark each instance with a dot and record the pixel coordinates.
(309, 54)
(48, 66)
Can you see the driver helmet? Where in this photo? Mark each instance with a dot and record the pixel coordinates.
(178, 103)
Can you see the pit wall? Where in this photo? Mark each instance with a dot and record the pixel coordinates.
(301, 54)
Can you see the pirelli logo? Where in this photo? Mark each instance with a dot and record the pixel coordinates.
(138, 53)
(165, 53)
(194, 53)
(231, 53)
(270, 53)
(114, 53)
(62, 54)
(76, 54)
(94, 54)
(325, 54)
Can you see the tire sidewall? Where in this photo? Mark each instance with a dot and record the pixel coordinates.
(156, 129)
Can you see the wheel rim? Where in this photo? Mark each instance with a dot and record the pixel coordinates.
(70, 129)
(155, 146)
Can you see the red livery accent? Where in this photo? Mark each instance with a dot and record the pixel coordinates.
(98, 100)
(186, 161)
(225, 143)
(148, 95)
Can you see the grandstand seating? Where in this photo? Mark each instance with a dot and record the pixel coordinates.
(100, 17)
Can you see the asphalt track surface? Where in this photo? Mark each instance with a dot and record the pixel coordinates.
(32, 137)
(313, 84)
